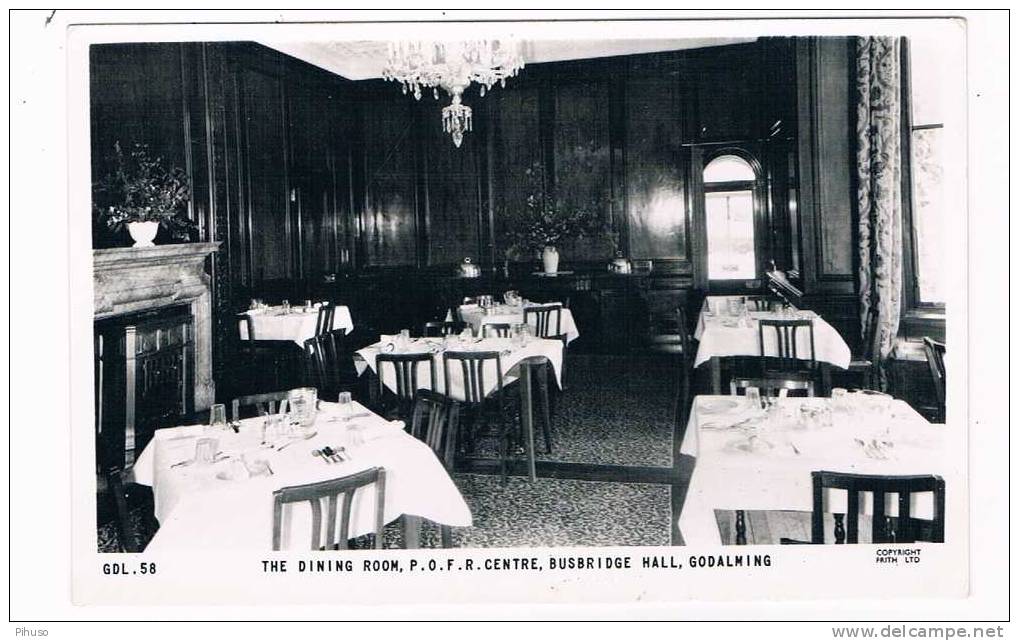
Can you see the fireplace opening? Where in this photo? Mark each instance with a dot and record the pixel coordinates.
(144, 369)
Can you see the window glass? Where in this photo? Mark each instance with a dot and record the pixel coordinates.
(926, 141)
(728, 169)
(928, 213)
(730, 227)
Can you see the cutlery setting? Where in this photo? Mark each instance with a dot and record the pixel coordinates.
(330, 456)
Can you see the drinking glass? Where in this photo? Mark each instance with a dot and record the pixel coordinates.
(754, 397)
(303, 403)
(286, 306)
(346, 405)
(838, 398)
(205, 450)
(217, 416)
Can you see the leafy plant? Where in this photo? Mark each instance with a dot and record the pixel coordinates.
(140, 189)
(544, 221)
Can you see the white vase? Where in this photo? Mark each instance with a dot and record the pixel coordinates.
(550, 259)
(143, 233)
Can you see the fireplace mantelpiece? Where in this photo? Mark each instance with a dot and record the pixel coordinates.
(135, 279)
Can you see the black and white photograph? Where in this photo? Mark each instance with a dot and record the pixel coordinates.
(517, 300)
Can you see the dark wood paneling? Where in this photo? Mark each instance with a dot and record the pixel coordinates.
(728, 93)
(583, 169)
(655, 185)
(516, 168)
(313, 178)
(834, 134)
(389, 218)
(453, 214)
(826, 202)
(264, 145)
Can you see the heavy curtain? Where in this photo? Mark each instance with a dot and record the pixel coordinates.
(879, 170)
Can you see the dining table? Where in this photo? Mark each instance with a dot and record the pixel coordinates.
(516, 359)
(476, 317)
(753, 458)
(227, 504)
(720, 333)
(296, 324)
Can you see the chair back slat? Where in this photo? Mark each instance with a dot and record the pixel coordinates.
(544, 327)
(903, 528)
(472, 367)
(786, 333)
(502, 330)
(315, 493)
(329, 362)
(759, 303)
(405, 373)
(853, 512)
(443, 328)
(316, 523)
(324, 323)
(264, 404)
(439, 429)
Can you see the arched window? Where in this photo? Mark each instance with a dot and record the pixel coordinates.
(729, 183)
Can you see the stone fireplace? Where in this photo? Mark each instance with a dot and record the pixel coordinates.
(153, 333)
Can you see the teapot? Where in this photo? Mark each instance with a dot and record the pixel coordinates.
(620, 264)
(469, 269)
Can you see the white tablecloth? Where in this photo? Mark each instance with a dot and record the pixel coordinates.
(512, 354)
(475, 316)
(773, 476)
(721, 335)
(197, 510)
(297, 326)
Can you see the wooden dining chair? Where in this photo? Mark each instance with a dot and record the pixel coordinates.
(406, 369)
(264, 404)
(787, 360)
(935, 353)
(329, 363)
(670, 336)
(443, 328)
(435, 421)
(759, 303)
(903, 528)
(548, 319)
(472, 368)
(500, 330)
(324, 323)
(772, 387)
(328, 493)
(786, 334)
(545, 327)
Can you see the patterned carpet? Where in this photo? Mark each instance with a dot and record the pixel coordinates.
(615, 411)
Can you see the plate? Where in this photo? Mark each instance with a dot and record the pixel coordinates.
(720, 405)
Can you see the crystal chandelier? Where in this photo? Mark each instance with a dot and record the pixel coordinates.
(453, 66)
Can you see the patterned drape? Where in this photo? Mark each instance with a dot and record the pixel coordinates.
(879, 168)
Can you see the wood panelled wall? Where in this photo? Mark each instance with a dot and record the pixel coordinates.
(302, 173)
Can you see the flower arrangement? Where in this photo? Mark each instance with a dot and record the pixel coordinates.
(140, 189)
(547, 222)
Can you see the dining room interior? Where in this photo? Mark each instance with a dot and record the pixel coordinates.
(503, 293)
